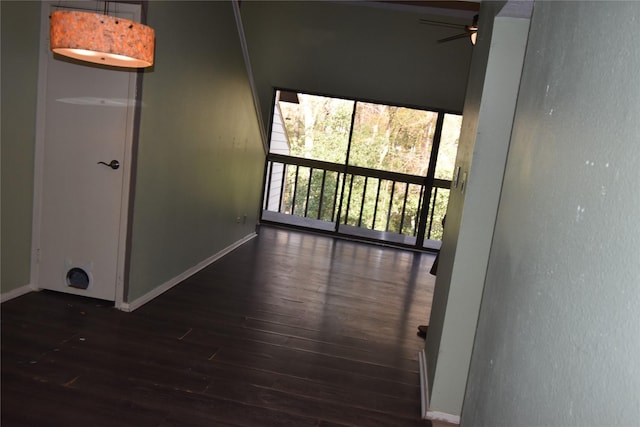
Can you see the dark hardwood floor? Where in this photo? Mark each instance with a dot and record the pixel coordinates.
(290, 329)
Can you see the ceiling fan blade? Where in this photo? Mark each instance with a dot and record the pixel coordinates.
(456, 37)
(441, 24)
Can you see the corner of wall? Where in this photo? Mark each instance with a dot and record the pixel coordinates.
(17, 292)
(492, 102)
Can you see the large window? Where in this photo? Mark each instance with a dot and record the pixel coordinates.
(391, 138)
(361, 165)
(317, 127)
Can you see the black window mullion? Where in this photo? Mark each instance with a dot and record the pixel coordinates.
(324, 177)
(346, 164)
(335, 213)
(346, 214)
(364, 192)
(306, 205)
(375, 208)
(433, 208)
(404, 207)
(429, 179)
(419, 210)
(269, 176)
(393, 188)
(295, 191)
(282, 186)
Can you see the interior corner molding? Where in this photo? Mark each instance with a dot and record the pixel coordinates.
(425, 412)
(252, 84)
(424, 384)
(139, 302)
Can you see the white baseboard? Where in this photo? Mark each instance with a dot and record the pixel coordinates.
(15, 293)
(139, 302)
(425, 412)
(424, 384)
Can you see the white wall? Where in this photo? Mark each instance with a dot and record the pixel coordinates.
(557, 341)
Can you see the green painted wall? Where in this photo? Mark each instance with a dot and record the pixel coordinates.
(557, 341)
(200, 156)
(20, 32)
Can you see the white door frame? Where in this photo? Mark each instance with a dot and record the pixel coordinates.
(40, 138)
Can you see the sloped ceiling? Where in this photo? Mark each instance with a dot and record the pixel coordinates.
(376, 51)
(437, 7)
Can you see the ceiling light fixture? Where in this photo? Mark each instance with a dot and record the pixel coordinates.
(470, 31)
(102, 39)
(473, 29)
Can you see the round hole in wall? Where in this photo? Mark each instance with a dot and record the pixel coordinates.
(78, 278)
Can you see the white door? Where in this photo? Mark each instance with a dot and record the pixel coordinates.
(85, 118)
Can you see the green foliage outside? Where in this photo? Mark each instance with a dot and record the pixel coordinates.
(385, 138)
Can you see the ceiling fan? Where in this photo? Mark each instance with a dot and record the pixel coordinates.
(470, 31)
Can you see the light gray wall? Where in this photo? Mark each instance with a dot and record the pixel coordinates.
(200, 156)
(354, 51)
(557, 341)
(20, 39)
(484, 143)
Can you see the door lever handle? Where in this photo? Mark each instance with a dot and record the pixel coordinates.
(114, 164)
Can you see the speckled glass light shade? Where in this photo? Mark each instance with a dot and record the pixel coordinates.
(102, 39)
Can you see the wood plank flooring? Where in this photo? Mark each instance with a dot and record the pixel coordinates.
(290, 329)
